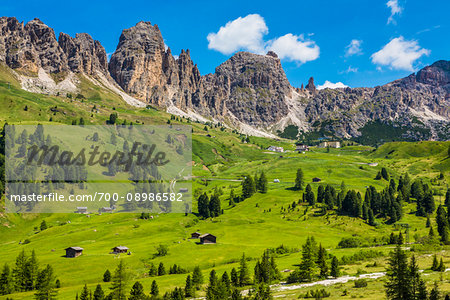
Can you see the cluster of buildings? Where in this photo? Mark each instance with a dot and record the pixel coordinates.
(301, 148)
(73, 252)
(206, 238)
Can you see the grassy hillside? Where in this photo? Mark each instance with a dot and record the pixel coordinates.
(258, 223)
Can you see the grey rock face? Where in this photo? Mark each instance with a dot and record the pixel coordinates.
(84, 55)
(252, 87)
(30, 47)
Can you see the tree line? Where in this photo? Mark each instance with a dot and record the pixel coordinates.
(28, 275)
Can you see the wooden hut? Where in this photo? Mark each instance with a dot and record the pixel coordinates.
(207, 238)
(120, 249)
(74, 251)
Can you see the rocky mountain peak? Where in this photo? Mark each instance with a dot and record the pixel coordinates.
(436, 74)
(84, 54)
(310, 86)
(137, 63)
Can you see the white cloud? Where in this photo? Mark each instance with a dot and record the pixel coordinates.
(396, 9)
(247, 33)
(294, 48)
(331, 85)
(354, 48)
(243, 33)
(399, 54)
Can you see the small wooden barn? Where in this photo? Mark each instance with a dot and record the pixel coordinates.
(207, 238)
(316, 179)
(120, 249)
(195, 235)
(74, 251)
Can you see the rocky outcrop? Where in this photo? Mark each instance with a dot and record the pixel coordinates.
(84, 54)
(250, 87)
(143, 68)
(246, 91)
(30, 47)
(137, 63)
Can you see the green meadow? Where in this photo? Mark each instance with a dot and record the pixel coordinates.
(260, 222)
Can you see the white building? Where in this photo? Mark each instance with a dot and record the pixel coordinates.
(276, 149)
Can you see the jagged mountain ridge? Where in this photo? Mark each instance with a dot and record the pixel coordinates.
(248, 91)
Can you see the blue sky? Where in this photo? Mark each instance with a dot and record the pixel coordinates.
(356, 42)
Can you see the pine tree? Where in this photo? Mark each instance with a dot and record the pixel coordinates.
(442, 224)
(248, 187)
(107, 276)
(137, 292)
(322, 261)
(422, 292)
(398, 284)
(226, 282)
(262, 183)
(334, 272)
(161, 269)
(384, 174)
(447, 196)
(6, 281)
(19, 272)
(211, 292)
(299, 180)
(431, 233)
(84, 293)
(98, 293)
(197, 277)
(43, 225)
(435, 293)
(308, 265)
(244, 276)
(189, 287)
(414, 277)
(234, 277)
(320, 194)
(203, 206)
(236, 295)
(309, 195)
(371, 218)
(435, 265)
(45, 285)
(441, 267)
(119, 282)
(31, 271)
(400, 239)
(214, 206)
(154, 289)
(428, 224)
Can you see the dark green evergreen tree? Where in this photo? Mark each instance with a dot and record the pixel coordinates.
(398, 279)
(107, 276)
(45, 284)
(334, 271)
(137, 292)
(189, 289)
(154, 289)
(322, 262)
(244, 276)
(197, 277)
(161, 269)
(248, 187)
(99, 294)
(119, 282)
(262, 183)
(299, 180)
(6, 281)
